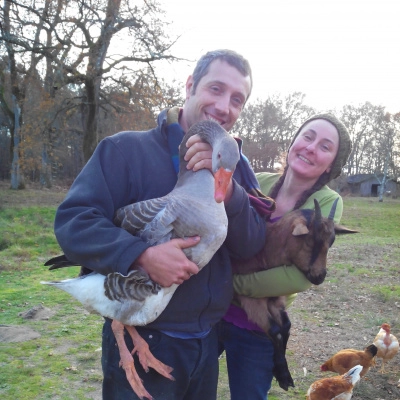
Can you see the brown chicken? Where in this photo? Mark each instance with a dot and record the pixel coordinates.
(345, 359)
(387, 344)
(336, 387)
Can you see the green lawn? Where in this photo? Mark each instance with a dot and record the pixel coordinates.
(64, 363)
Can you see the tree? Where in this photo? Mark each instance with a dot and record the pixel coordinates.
(267, 127)
(76, 47)
(374, 135)
(386, 147)
(395, 162)
(11, 101)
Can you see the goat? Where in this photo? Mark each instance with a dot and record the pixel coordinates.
(301, 238)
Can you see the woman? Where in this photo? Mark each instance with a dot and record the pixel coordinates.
(317, 154)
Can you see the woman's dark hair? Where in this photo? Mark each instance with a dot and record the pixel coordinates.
(322, 180)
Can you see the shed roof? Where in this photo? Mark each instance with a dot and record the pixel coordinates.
(358, 178)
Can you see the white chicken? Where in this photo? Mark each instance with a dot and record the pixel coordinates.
(387, 344)
(335, 388)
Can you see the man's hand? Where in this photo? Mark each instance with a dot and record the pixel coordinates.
(167, 264)
(199, 155)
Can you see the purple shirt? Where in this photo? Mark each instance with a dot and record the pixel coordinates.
(238, 317)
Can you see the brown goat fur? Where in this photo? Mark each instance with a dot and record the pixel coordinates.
(301, 238)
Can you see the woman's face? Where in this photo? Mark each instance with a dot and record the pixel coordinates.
(314, 149)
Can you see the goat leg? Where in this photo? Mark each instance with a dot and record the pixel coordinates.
(270, 315)
(262, 311)
(279, 336)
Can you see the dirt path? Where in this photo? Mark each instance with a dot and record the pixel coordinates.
(345, 313)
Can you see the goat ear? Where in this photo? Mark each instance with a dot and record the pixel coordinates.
(300, 228)
(342, 230)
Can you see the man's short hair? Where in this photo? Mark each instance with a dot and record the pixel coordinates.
(229, 56)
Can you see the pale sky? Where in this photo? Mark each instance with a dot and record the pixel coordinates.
(336, 52)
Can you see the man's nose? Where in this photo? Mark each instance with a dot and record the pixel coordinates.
(222, 104)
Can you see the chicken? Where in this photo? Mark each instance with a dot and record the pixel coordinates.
(387, 344)
(345, 359)
(335, 388)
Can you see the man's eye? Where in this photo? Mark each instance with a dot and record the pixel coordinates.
(237, 101)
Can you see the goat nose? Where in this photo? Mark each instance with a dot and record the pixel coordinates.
(317, 279)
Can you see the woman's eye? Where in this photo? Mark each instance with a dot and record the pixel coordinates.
(325, 147)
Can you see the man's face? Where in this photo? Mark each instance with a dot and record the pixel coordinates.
(220, 95)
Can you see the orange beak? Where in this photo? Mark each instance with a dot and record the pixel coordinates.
(222, 178)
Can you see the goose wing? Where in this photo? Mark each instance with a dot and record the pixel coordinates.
(151, 220)
(178, 215)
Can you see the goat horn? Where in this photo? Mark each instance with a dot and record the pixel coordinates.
(333, 209)
(318, 215)
(316, 232)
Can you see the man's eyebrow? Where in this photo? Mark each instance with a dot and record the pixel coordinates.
(217, 82)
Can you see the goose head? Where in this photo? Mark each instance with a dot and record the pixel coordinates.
(225, 154)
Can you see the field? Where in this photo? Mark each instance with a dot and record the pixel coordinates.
(62, 360)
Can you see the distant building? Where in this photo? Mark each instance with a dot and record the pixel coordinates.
(368, 185)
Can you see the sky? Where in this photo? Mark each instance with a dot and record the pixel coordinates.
(336, 52)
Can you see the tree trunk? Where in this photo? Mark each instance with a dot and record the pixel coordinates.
(16, 177)
(381, 189)
(90, 138)
(45, 172)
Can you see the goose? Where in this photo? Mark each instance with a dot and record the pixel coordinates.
(193, 208)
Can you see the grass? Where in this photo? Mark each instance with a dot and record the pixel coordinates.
(377, 222)
(64, 362)
(55, 365)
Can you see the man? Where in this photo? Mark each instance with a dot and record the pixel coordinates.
(133, 166)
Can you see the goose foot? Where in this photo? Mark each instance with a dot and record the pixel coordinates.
(127, 363)
(145, 357)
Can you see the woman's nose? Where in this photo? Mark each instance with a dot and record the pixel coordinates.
(311, 147)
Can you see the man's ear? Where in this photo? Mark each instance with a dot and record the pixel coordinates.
(189, 86)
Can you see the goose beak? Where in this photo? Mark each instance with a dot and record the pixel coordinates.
(222, 178)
